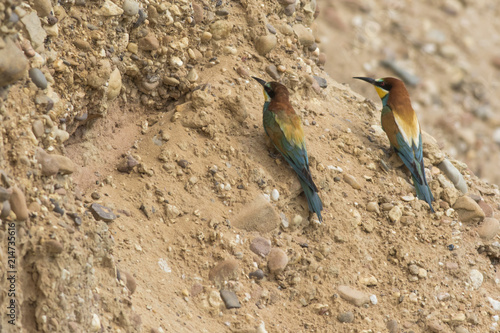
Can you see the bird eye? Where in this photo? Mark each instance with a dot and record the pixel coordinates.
(382, 83)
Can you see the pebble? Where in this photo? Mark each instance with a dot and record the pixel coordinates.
(242, 72)
(82, 44)
(489, 228)
(373, 299)
(346, 317)
(53, 247)
(192, 76)
(271, 29)
(321, 59)
(353, 296)
(273, 72)
(304, 35)
(488, 211)
(494, 304)
(5, 193)
(373, 207)
(468, 210)
(454, 175)
(230, 299)
(277, 261)
(260, 246)
(95, 325)
(265, 44)
(258, 215)
(395, 214)
(130, 7)
(176, 62)
(38, 78)
(476, 278)
(13, 63)
(392, 326)
(170, 81)
(214, 299)
(224, 271)
(102, 213)
(206, 36)
(197, 12)
(109, 9)
(368, 281)
(114, 84)
(275, 195)
(321, 82)
(42, 7)
(351, 180)
(222, 12)
(18, 204)
(285, 29)
(435, 326)
(258, 274)
(149, 43)
(127, 164)
(461, 329)
(220, 29)
(34, 28)
(38, 128)
(290, 9)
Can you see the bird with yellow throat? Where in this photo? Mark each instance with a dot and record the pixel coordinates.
(284, 128)
(400, 123)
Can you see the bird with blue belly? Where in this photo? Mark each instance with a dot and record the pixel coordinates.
(284, 128)
(400, 123)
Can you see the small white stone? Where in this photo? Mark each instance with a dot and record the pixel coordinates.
(268, 198)
(227, 187)
(373, 299)
(275, 195)
(176, 61)
(476, 278)
(96, 323)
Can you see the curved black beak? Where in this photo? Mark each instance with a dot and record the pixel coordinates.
(367, 79)
(262, 82)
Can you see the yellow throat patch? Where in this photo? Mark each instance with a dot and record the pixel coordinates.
(381, 92)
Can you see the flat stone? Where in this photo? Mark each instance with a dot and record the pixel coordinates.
(453, 174)
(102, 213)
(353, 296)
(109, 8)
(435, 326)
(38, 128)
(351, 180)
(38, 78)
(488, 211)
(273, 72)
(260, 246)
(468, 210)
(321, 81)
(277, 261)
(53, 163)
(373, 207)
(53, 246)
(392, 326)
(265, 44)
(18, 204)
(224, 271)
(230, 299)
(395, 214)
(35, 31)
(13, 63)
(259, 215)
(5, 209)
(489, 228)
(271, 29)
(197, 13)
(304, 35)
(42, 7)
(82, 44)
(346, 317)
(149, 43)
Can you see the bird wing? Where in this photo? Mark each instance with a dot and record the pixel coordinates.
(406, 140)
(287, 135)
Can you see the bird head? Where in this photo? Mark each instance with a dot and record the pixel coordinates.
(382, 86)
(268, 88)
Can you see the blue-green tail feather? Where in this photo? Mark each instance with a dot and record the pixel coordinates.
(313, 200)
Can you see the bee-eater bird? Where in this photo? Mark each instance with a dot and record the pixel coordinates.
(284, 128)
(400, 123)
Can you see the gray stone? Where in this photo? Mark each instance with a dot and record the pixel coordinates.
(454, 175)
(38, 78)
(322, 82)
(271, 29)
(35, 31)
(392, 326)
(476, 278)
(346, 317)
(395, 214)
(353, 296)
(13, 63)
(224, 271)
(102, 213)
(38, 128)
(53, 163)
(258, 274)
(273, 72)
(230, 299)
